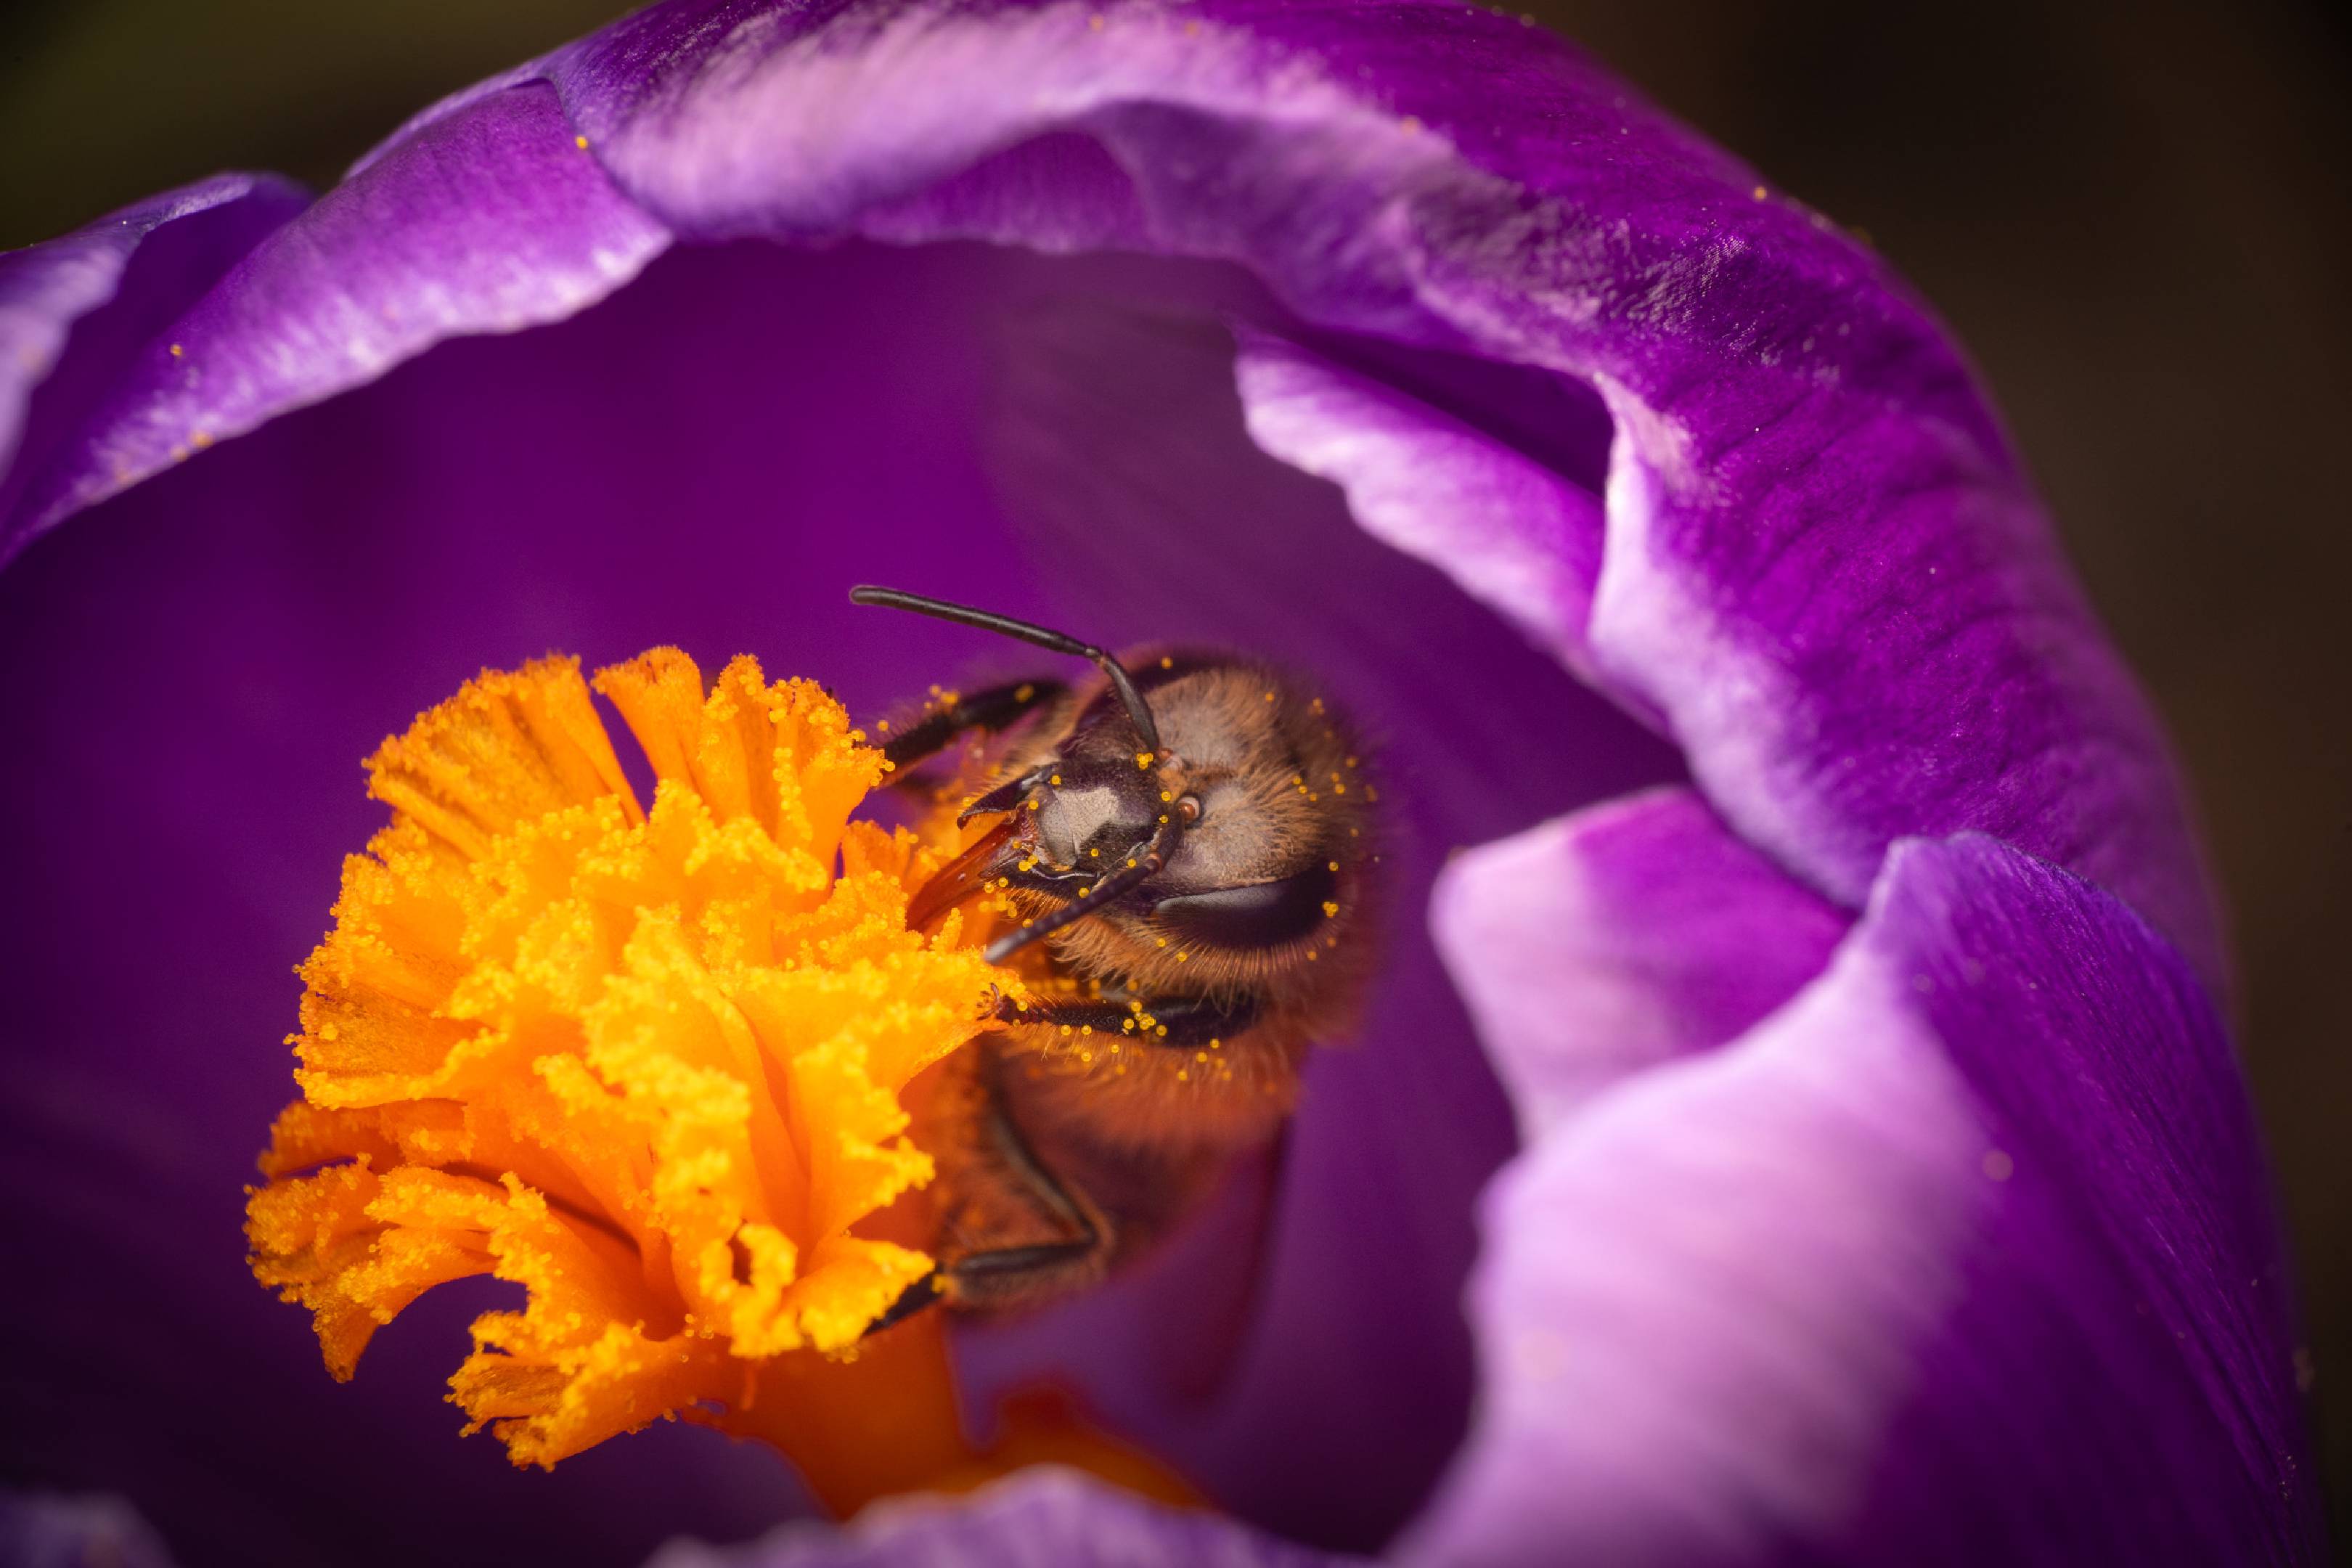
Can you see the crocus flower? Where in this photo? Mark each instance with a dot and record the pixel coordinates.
(1793, 1121)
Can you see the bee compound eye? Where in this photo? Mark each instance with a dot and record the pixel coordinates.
(1255, 915)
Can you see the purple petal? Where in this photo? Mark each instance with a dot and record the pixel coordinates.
(488, 220)
(1803, 552)
(1962, 1256)
(1618, 939)
(111, 286)
(1822, 566)
(708, 457)
(39, 1532)
(1821, 569)
(1040, 1519)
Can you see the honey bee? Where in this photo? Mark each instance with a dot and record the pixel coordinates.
(1188, 842)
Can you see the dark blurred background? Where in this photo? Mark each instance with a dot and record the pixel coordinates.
(2136, 215)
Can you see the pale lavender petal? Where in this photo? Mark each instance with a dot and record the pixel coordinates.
(1039, 1519)
(110, 286)
(1515, 533)
(1619, 939)
(488, 220)
(42, 1530)
(1963, 1256)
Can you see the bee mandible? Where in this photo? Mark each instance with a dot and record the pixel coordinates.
(1190, 844)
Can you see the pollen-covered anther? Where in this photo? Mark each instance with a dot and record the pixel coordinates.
(644, 1063)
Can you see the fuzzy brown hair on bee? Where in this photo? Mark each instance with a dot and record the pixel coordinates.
(1189, 840)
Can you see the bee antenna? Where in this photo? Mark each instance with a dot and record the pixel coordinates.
(1139, 712)
(1086, 903)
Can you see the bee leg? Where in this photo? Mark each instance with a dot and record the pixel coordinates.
(997, 707)
(1004, 1276)
(1177, 1022)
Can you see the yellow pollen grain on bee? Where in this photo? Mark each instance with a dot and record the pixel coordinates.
(1181, 958)
(1144, 759)
(1023, 693)
(1034, 804)
(1199, 1055)
(1330, 910)
(1216, 1045)
(1086, 1028)
(1056, 779)
(177, 351)
(1312, 955)
(1183, 1076)
(1130, 865)
(882, 726)
(581, 143)
(1095, 854)
(1269, 697)
(1351, 762)
(1165, 795)
(199, 439)
(1005, 881)
(1334, 865)
(1163, 941)
(1127, 1025)
(1166, 662)
(1316, 705)
(1161, 1030)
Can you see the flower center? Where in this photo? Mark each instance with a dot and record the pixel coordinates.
(646, 1065)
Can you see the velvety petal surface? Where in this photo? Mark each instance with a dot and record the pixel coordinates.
(488, 220)
(111, 286)
(1961, 1257)
(1822, 566)
(1678, 428)
(1601, 945)
(1040, 1519)
(708, 457)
